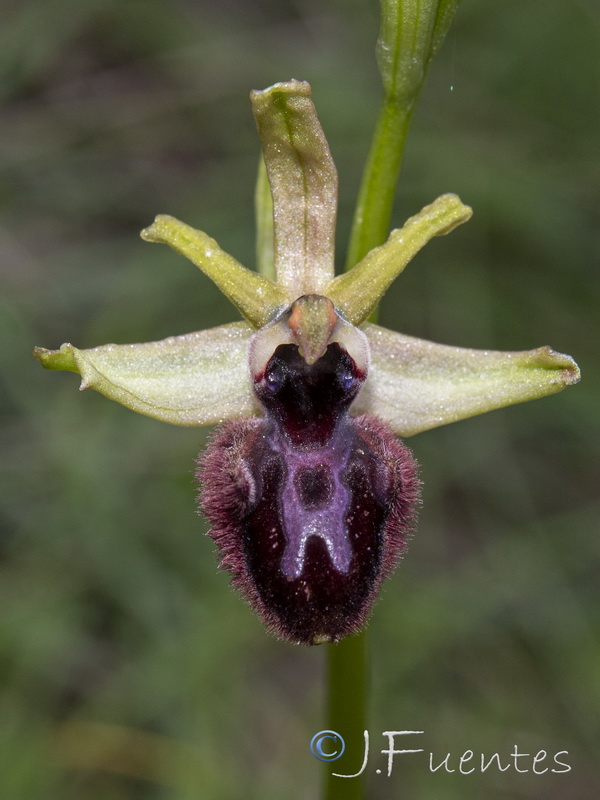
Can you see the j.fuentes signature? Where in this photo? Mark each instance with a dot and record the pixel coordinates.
(329, 746)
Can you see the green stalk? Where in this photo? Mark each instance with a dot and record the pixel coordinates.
(378, 189)
(347, 680)
(410, 33)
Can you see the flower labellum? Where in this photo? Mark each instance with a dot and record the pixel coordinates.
(310, 507)
(310, 494)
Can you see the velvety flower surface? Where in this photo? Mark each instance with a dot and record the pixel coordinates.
(310, 494)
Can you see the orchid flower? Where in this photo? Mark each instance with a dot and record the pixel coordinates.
(304, 364)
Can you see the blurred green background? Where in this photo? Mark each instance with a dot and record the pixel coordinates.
(128, 667)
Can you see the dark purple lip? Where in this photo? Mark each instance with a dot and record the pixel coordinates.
(309, 506)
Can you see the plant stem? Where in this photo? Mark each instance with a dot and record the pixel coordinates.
(411, 31)
(347, 661)
(347, 712)
(378, 188)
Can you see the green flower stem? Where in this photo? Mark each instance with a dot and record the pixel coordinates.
(376, 197)
(347, 712)
(410, 33)
(347, 662)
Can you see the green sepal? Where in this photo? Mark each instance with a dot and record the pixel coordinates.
(415, 385)
(257, 298)
(303, 181)
(62, 359)
(196, 379)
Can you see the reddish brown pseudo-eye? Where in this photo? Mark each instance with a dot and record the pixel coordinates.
(310, 507)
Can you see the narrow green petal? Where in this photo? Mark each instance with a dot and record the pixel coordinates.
(257, 298)
(415, 385)
(196, 379)
(303, 183)
(263, 209)
(356, 293)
